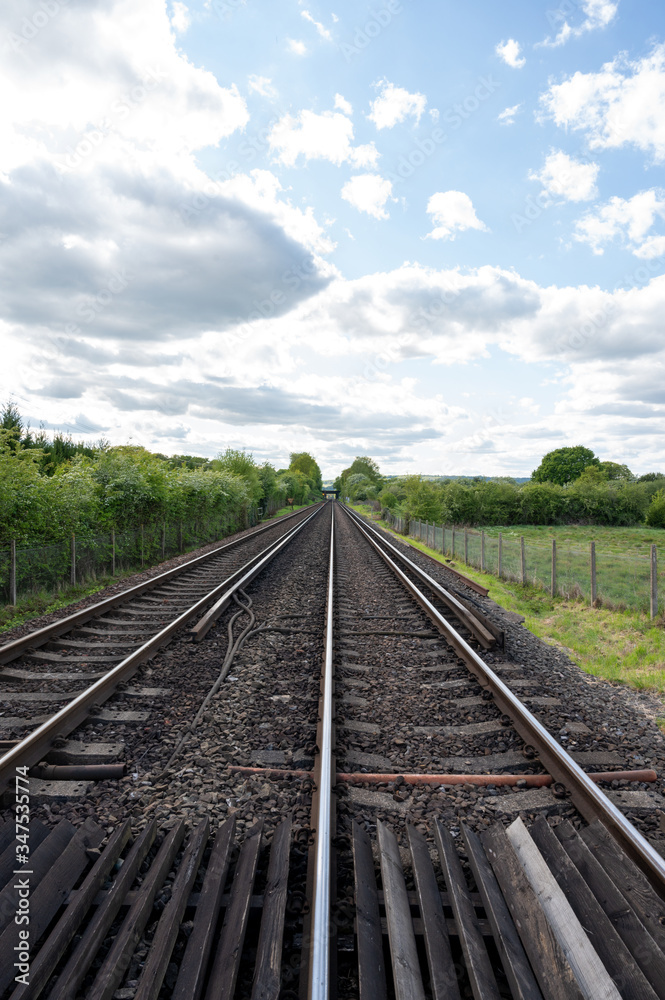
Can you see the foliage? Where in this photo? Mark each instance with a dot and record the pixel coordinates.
(655, 516)
(241, 463)
(362, 480)
(388, 499)
(302, 461)
(563, 465)
(605, 493)
(50, 487)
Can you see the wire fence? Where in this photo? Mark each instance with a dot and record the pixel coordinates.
(600, 577)
(83, 559)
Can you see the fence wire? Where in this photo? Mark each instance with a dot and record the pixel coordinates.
(623, 580)
(48, 568)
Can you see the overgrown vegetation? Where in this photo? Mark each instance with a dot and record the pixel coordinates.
(50, 487)
(571, 486)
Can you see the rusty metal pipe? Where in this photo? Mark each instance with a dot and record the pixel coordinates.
(532, 780)
(78, 772)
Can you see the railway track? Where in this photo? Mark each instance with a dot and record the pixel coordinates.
(107, 642)
(403, 825)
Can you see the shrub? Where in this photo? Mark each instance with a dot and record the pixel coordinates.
(655, 517)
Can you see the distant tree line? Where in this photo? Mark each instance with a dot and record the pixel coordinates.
(570, 486)
(52, 486)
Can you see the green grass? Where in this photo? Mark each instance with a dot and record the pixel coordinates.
(286, 510)
(622, 559)
(41, 603)
(620, 646)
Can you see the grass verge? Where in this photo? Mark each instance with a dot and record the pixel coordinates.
(43, 602)
(622, 646)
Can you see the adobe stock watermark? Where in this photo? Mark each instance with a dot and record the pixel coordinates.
(375, 25)
(579, 335)
(423, 317)
(249, 149)
(556, 17)
(22, 873)
(269, 305)
(455, 117)
(88, 311)
(225, 8)
(567, 175)
(119, 111)
(36, 22)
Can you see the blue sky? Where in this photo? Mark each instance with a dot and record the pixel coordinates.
(429, 232)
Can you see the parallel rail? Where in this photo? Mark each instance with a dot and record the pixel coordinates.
(591, 801)
(32, 748)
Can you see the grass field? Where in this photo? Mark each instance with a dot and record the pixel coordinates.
(621, 646)
(622, 559)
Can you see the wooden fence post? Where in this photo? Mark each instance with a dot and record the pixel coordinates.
(12, 572)
(482, 551)
(112, 551)
(142, 546)
(553, 583)
(163, 539)
(72, 564)
(499, 566)
(180, 536)
(466, 546)
(593, 574)
(443, 539)
(523, 559)
(654, 582)
(452, 550)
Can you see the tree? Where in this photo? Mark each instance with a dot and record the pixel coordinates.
(302, 461)
(366, 466)
(651, 477)
(564, 465)
(615, 471)
(241, 463)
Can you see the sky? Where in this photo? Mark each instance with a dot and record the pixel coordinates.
(424, 231)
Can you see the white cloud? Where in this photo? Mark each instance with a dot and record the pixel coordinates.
(322, 30)
(599, 13)
(368, 193)
(652, 247)
(626, 221)
(325, 137)
(508, 115)
(620, 105)
(180, 17)
(394, 104)
(343, 105)
(296, 46)
(452, 212)
(135, 97)
(262, 85)
(565, 177)
(510, 53)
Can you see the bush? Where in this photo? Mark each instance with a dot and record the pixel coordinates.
(655, 517)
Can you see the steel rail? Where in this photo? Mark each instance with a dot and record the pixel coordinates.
(588, 798)
(319, 978)
(30, 749)
(486, 635)
(12, 650)
(210, 617)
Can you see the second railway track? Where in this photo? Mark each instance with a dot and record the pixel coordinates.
(387, 825)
